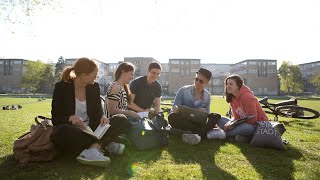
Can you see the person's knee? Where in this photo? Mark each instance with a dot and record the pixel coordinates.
(60, 132)
(121, 120)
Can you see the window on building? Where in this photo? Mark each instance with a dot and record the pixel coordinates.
(195, 62)
(175, 70)
(271, 63)
(17, 62)
(174, 62)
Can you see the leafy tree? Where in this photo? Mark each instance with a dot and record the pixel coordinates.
(315, 80)
(11, 9)
(290, 78)
(46, 83)
(39, 77)
(59, 67)
(32, 77)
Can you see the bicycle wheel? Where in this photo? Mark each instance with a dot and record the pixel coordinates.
(294, 111)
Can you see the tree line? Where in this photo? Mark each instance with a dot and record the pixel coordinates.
(40, 77)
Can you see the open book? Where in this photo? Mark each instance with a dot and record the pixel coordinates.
(143, 114)
(236, 122)
(99, 132)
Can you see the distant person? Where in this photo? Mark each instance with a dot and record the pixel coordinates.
(75, 105)
(118, 94)
(243, 104)
(197, 97)
(146, 91)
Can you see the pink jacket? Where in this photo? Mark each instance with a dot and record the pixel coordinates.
(246, 104)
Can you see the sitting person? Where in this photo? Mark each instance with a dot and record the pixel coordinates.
(118, 93)
(75, 105)
(197, 97)
(146, 91)
(243, 103)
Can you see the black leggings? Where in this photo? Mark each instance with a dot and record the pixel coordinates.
(71, 139)
(195, 126)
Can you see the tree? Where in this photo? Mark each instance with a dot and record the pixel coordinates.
(11, 10)
(39, 77)
(290, 78)
(315, 80)
(46, 83)
(59, 68)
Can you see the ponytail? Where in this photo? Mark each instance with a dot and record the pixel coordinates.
(66, 75)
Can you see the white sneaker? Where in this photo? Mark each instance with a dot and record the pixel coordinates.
(93, 157)
(191, 139)
(115, 148)
(216, 133)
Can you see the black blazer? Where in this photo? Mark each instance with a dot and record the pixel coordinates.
(63, 103)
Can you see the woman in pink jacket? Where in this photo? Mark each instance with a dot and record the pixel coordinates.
(243, 104)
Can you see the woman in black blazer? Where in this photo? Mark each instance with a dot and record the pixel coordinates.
(75, 105)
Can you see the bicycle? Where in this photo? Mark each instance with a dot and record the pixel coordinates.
(288, 108)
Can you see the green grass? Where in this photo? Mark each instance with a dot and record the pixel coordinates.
(211, 159)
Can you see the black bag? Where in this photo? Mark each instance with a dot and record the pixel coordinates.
(146, 134)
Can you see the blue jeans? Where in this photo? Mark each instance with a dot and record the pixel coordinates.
(243, 129)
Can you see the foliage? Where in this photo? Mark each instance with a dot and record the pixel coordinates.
(290, 78)
(315, 80)
(12, 10)
(59, 68)
(211, 159)
(38, 77)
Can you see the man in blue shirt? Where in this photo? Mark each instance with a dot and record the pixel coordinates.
(194, 96)
(146, 91)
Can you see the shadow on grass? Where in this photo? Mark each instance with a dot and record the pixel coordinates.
(202, 154)
(270, 163)
(66, 167)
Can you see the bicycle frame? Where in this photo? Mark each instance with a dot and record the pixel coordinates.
(272, 106)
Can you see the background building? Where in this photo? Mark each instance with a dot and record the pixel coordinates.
(259, 74)
(11, 72)
(141, 64)
(308, 71)
(219, 73)
(164, 78)
(181, 72)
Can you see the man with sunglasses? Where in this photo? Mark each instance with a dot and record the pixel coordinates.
(146, 91)
(193, 96)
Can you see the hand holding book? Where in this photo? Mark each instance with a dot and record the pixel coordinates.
(99, 132)
(236, 122)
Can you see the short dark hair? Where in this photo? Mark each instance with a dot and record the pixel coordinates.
(205, 72)
(154, 65)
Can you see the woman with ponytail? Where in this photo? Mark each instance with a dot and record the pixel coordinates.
(118, 93)
(75, 105)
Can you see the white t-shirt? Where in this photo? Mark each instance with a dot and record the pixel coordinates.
(81, 111)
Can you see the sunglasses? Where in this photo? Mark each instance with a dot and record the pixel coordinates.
(200, 80)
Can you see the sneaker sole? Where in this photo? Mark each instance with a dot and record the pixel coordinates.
(99, 163)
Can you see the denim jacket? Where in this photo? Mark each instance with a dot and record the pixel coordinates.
(185, 97)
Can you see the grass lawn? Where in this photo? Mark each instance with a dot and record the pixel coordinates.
(211, 159)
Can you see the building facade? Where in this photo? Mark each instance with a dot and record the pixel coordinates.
(308, 71)
(259, 74)
(219, 73)
(141, 64)
(11, 73)
(181, 72)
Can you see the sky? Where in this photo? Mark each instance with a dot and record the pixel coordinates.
(215, 31)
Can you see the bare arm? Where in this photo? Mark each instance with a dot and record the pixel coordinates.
(156, 104)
